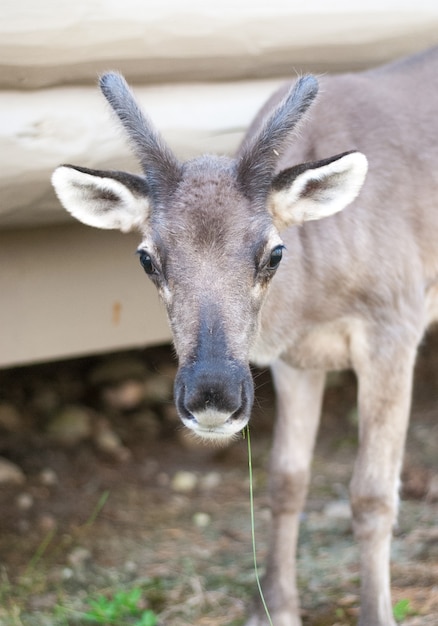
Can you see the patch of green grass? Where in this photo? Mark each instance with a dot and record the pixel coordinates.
(402, 609)
(123, 605)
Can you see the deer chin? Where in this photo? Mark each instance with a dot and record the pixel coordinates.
(213, 426)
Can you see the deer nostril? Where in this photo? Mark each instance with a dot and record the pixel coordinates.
(237, 414)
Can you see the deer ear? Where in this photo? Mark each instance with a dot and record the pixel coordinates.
(102, 199)
(312, 191)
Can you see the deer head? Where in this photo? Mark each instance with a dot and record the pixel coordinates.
(211, 240)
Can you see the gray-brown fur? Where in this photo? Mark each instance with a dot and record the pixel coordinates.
(162, 169)
(258, 155)
(356, 289)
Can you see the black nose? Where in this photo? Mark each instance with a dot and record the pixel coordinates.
(214, 398)
(208, 387)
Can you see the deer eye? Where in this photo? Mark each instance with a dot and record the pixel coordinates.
(275, 258)
(146, 262)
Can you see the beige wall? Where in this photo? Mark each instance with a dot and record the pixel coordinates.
(50, 43)
(67, 290)
(72, 290)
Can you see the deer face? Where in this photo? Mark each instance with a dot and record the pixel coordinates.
(211, 258)
(211, 242)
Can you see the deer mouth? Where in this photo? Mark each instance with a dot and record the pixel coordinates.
(215, 425)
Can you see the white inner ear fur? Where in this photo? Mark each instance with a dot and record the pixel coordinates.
(98, 201)
(319, 192)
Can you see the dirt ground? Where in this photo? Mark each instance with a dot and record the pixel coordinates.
(173, 518)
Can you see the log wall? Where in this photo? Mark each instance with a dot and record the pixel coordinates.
(200, 72)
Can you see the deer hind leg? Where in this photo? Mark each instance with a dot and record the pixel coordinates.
(299, 396)
(384, 406)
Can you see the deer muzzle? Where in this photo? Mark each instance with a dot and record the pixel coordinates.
(214, 399)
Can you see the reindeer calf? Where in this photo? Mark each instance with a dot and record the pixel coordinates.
(249, 271)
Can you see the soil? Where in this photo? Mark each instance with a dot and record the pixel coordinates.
(173, 518)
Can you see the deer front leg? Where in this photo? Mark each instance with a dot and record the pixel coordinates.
(299, 396)
(384, 406)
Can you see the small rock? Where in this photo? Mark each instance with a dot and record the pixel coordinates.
(10, 474)
(184, 482)
(78, 557)
(10, 418)
(211, 480)
(338, 509)
(201, 520)
(130, 567)
(48, 477)
(46, 522)
(125, 396)
(24, 501)
(67, 573)
(70, 425)
(108, 441)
